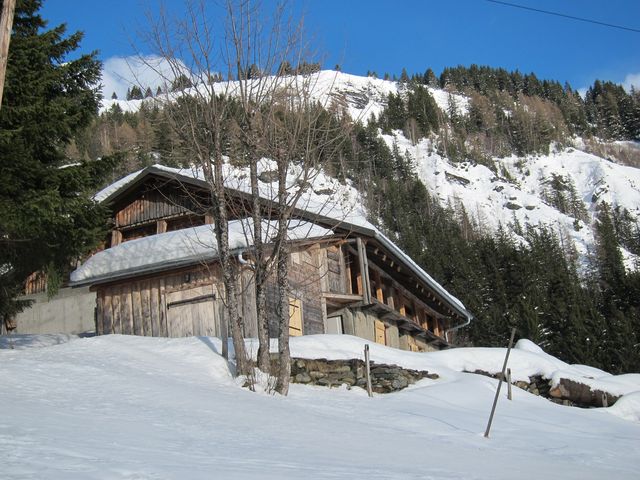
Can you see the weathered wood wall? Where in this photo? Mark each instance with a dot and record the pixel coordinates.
(176, 304)
(304, 280)
(154, 204)
(157, 306)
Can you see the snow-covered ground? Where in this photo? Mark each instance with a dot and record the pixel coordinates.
(124, 407)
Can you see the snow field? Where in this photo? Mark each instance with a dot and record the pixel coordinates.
(124, 407)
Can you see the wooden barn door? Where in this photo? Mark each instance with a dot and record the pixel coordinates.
(193, 312)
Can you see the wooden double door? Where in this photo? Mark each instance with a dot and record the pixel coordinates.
(194, 312)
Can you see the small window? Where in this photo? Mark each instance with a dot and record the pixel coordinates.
(184, 222)
(139, 232)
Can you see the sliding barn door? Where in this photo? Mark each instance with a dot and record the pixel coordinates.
(193, 312)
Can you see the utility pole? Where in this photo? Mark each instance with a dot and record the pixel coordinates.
(6, 24)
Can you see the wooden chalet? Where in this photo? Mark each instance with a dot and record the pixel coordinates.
(158, 275)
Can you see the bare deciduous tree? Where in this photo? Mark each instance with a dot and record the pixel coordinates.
(262, 112)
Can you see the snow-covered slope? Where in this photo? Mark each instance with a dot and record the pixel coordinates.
(361, 97)
(124, 407)
(517, 195)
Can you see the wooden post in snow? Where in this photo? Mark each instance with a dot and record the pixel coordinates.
(367, 369)
(509, 396)
(504, 368)
(6, 24)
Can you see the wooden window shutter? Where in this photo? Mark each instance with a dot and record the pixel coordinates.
(381, 336)
(295, 317)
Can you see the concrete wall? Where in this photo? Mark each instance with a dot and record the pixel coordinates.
(70, 311)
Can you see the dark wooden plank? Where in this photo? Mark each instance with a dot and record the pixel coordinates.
(145, 304)
(126, 312)
(100, 313)
(115, 308)
(163, 310)
(136, 307)
(155, 304)
(107, 313)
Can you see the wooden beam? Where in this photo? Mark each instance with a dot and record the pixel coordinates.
(347, 272)
(401, 307)
(395, 285)
(378, 279)
(346, 280)
(116, 237)
(161, 226)
(363, 276)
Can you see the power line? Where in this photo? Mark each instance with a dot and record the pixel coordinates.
(587, 20)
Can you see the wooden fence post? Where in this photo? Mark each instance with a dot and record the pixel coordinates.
(509, 396)
(367, 369)
(504, 367)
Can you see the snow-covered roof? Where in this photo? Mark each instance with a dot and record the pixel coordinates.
(184, 247)
(326, 201)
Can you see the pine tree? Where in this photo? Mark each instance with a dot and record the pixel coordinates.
(47, 217)
(135, 93)
(429, 78)
(180, 83)
(114, 96)
(404, 76)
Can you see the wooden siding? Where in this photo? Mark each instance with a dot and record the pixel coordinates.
(174, 304)
(161, 306)
(154, 205)
(335, 274)
(193, 311)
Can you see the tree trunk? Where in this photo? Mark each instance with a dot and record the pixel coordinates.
(229, 271)
(284, 354)
(260, 273)
(282, 279)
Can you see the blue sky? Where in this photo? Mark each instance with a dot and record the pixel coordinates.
(386, 36)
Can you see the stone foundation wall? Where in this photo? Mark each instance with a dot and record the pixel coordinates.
(334, 373)
(567, 392)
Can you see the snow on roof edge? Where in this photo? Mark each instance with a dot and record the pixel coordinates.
(171, 250)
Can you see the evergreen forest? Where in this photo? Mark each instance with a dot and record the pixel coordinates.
(589, 316)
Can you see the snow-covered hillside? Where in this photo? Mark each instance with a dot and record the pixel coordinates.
(360, 96)
(517, 195)
(125, 407)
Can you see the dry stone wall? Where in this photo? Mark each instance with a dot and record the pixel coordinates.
(334, 373)
(567, 392)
